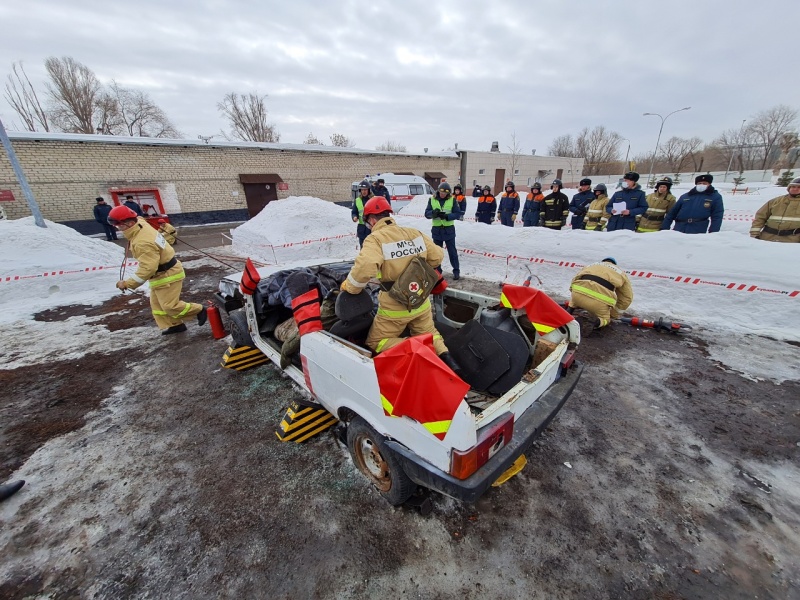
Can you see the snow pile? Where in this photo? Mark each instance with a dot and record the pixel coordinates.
(27, 249)
(29, 252)
(297, 228)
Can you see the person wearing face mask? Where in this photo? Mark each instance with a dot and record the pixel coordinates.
(699, 210)
(659, 204)
(779, 219)
(635, 204)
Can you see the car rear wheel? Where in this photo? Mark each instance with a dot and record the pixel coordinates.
(378, 463)
(238, 327)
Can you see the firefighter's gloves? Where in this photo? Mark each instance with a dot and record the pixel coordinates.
(513, 217)
(121, 285)
(439, 214)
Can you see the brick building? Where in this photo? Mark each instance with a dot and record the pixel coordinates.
(189, 180)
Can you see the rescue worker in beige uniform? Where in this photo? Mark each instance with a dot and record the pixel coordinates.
(603, 289)
(779, 219)
(387, 251)
(168, 231)
(159, 267)
(596, 215)
(659, 203)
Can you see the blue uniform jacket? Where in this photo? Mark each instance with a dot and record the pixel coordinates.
(635, 201)
(101, 213)
(134, 207)
(485, 211)
(509, 204)
(693, 211)
(580, 203)
(382, 191)
(444, 233)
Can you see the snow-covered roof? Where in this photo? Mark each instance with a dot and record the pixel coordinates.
(149, 141)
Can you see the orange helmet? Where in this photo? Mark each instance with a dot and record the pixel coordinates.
(376, 206)
(162, 221)
(119, 214)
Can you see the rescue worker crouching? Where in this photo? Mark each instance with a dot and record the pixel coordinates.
(386, 254)
(659, 203)
(357, 212)
(168, 231)
(509, 205)
(779, 219)
(158, 266)
(444, 211)
(596, 215)
(602, 289)
(487, 206)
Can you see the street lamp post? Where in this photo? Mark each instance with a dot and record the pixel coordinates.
(741, 142)
(658, 140)
(627, 152)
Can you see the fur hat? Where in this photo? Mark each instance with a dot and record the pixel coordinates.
(705, 177)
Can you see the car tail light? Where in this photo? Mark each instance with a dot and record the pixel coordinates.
(491, 439)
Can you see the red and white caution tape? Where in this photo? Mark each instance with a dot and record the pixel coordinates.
(6, 278)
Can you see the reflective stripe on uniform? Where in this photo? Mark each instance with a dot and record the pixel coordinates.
(656, 210)
(160, 313)
(137, 279)
(647, 230)
(397, 314)
(355, 283)
(380, 345)
(184, 311)
(597, 295)
(167, 280)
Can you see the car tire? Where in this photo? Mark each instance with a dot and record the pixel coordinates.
(378, 463)
(240, 334)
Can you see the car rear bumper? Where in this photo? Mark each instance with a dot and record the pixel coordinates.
(526, 429)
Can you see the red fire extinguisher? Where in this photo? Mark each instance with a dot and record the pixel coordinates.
(215, 320)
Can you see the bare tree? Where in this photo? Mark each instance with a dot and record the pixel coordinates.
(139, 116)
(514, 152)
(314, 140)
(22, 97)
(769, 125)
(247, 116)
(677, 151)
(563, 145)
(391, 146)
(598, 147)
(735, 143)
(74, 90)
(342, 141)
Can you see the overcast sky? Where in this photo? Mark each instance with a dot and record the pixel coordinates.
(430, 73)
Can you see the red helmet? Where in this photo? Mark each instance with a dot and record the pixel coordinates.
(376, 206)
(119, 214)
(162, 221)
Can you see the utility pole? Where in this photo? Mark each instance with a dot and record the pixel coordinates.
(23, 182)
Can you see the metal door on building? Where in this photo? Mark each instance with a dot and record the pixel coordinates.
(259, 190)
(499, 181)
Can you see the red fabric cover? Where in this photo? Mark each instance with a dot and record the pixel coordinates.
(417, 383)
(539, 307)
(440, 286)
(307, 312)
(250, 279)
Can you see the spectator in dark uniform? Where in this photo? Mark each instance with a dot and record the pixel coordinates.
(476, 192)
(101, 210)
(699, 210)
(580, 203)
(635, 204)
(133, 205)
(380, 189)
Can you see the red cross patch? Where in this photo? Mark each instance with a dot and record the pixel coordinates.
(413, 287)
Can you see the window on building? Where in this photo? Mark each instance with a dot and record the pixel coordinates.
(516, 171)
(481, 171)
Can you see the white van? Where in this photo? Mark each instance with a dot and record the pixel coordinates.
(402, 188)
